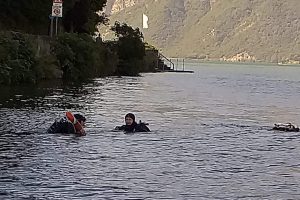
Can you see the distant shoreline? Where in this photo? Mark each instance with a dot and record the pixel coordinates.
(195, 60)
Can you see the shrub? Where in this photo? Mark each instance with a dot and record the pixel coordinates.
(17, 61)
(80, 56)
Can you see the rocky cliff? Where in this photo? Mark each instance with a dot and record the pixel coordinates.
(115, 6)
(264, 30)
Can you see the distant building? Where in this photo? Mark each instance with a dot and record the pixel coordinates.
(240, 57)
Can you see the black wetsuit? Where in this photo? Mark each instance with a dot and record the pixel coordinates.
(134, 127)
(286, 127)
(62, 126)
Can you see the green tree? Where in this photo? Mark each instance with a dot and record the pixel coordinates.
(130, 43)
(80, 16)
(32, 16)
(131, 49)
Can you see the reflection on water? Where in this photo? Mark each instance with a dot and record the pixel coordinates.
(210, 139)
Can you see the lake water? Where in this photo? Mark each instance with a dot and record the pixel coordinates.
(210, 138)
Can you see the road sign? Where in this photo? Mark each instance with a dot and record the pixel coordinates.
(57, 11)
(57, 2)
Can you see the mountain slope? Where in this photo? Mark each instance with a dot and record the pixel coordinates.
(267, 30)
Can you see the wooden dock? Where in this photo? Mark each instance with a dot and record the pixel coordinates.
(166, 65)
(177, 71)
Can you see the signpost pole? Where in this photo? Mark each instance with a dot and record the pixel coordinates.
(56, 21)
(56, 12)
(51, 27)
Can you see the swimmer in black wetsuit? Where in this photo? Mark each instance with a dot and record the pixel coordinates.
(64, 125)
(131, 126)
(288, 127)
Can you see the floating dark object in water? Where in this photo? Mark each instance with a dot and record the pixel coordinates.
(288, 127)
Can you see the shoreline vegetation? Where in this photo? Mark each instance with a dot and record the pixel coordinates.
(26, 58)
(29, 55)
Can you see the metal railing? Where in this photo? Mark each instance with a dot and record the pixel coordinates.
(167, 60)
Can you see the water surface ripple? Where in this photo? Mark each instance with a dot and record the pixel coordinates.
(210, 137)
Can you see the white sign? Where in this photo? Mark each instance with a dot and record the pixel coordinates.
(145, 21)
(56, 11)
(57, 2)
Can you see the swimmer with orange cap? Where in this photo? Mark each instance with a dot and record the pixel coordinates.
(69, 124)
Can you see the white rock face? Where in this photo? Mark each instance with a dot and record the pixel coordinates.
(119, 5)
